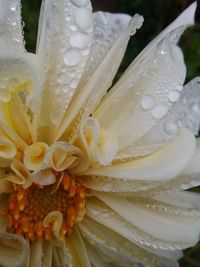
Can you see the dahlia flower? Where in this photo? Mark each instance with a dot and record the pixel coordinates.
(91, 176)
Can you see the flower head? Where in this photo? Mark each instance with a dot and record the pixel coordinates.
(91, 176)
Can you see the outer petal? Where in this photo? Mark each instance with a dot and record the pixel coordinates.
(64, 40)
(162, 165)
(146, 87)
(11, 36)
(185, 113)
(14, 250)
(91, 94)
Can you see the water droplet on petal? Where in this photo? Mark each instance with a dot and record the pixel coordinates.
(179, 88)
(147, 102)
(159, 111)
(84, 18)
(173, 96)
(79, 40)
(72, 57)
(170, 128)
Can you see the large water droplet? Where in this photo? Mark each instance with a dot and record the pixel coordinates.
(84, 18)
(147, 102)
(159, 111)
(170, 128)
(79, 40)
(72, 57)
(173, 96)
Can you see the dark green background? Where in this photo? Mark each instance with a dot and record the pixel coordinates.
(157, 14)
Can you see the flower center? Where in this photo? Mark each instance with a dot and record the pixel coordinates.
(29, 210)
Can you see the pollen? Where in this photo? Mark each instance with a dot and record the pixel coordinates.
(27, 208)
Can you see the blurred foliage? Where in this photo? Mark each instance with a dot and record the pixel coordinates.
(157, 15)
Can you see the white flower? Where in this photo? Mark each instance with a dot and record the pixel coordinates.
(90, 177)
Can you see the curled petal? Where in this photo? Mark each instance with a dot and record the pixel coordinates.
(14, 250)
(62, 156)
(21, 172)
(43, 177)
(101, 145)
(34, 155)
(55, 218)
(161, 165)
(7, 151)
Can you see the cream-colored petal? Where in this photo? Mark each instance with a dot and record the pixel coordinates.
(100, 145)
(65, 27)
(63, 156)
(77, 249)
(162, 165)
(36, 255)
(14, 250)
(115, 248)
(34, 155)
(167, 227)
(91, 94)
(11, 30)
(56, 219)
(145, 88)
(7, 151)
(109, 218)
(47, 254)
(43, 177)
(21, 172)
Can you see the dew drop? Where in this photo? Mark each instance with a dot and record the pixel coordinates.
(79, 40)
(179, 88)
(84, 18)
(170, 128)
(72, 57)
(73, 27)
(159, 111)
(173, 96)
(147, 102)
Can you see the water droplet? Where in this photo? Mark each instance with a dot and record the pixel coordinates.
(72, 57)
(173, 96)
(147, 102)
(171, 128)
(74, 83)
(159, 111)
(73, 27)
(84, 18)
(79, 2)
(79, 40)
(179, 88)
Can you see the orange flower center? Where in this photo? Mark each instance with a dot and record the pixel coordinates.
(28, 208)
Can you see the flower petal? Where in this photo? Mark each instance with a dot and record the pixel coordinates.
(172, 228)
(91, 94)
(162, 165)
(185, 113)
(77, 249)
(108, 243)
(145, 88)
(14, 250)
(11, 32)
(65, 27)
(36, 254)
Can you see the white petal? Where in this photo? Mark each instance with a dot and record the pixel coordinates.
(14, 250)
(143, 88)
(36, 254)
(162, 226)
(109, 218)
(107, 28)
(115, 248)
(162, 165)
(185, 113)
(65, 27)
(77, 249)
(93, 91)
(11, 32)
